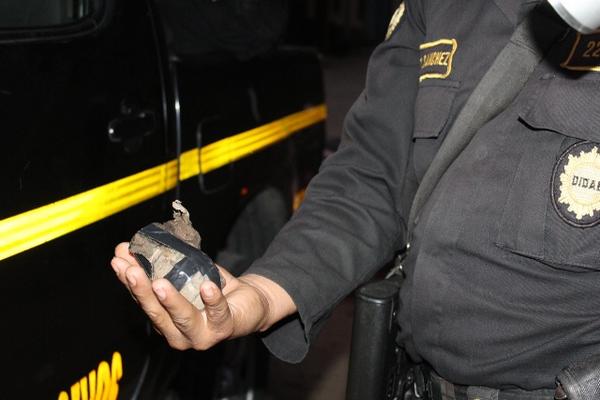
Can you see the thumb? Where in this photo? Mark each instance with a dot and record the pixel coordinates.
(218, 315)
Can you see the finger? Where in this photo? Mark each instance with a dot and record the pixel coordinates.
(141, 287)
(122, 251)
(184, 315)
(120, 265)
(218, 315)
(227, 280)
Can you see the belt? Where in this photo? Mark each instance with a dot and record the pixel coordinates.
(441, 389)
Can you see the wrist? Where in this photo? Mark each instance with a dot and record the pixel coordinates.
(277, 303)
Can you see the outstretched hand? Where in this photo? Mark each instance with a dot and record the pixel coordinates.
(244, 305)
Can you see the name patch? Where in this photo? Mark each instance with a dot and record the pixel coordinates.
(436, 58)
(576, 185)
(585, 54)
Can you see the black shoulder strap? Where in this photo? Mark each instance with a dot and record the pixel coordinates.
(498, 87)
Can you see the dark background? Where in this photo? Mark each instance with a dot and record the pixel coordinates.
(338, 26)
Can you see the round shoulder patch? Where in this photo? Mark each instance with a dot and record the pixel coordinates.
(395, 20)
(576, 185)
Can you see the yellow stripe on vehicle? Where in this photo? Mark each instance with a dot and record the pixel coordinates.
(35, 227)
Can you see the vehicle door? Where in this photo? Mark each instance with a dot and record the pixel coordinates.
(84, 161)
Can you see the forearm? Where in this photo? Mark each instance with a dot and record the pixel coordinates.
(351, 220)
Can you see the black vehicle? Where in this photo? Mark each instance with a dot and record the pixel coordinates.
(102, 129)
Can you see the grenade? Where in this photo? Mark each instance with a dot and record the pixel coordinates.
(171, 250)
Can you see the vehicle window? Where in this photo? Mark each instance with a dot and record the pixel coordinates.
(42, 13)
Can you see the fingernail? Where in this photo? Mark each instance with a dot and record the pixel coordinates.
(209, 291)
(131, 280)
(160, 293)
(115, 268)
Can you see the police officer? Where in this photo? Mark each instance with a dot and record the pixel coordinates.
(504, 268)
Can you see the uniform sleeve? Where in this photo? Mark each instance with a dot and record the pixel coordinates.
(353, 216)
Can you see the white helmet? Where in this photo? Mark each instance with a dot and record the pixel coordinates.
(581, 15)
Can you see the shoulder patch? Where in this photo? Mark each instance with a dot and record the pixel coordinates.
(576, 185)
(436, 58)
(396, 18)
(585, 53)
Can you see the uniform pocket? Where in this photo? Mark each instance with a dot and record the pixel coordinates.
(432, 110)
(552, 210)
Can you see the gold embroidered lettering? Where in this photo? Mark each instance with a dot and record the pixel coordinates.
(585, 53)
(435, 58)
(592, 49)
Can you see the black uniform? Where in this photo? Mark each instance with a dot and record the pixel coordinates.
(503, 275)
